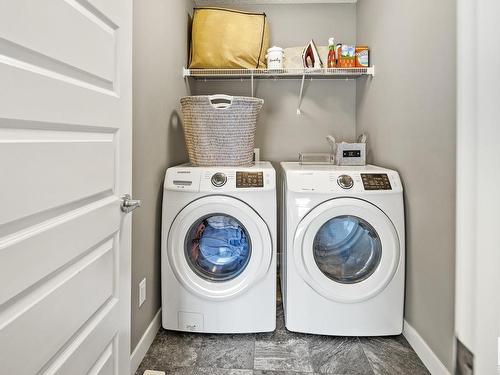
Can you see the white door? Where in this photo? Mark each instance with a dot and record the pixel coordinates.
(477, 306)
(355, 250)
(201, 267)
(65, 159)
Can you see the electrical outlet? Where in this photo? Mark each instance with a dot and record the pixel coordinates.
(142, 292)
(256, 154)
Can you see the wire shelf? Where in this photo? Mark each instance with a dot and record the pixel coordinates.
(325, 73)
(296, 74)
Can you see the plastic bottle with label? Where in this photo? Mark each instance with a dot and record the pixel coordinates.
(332, 61)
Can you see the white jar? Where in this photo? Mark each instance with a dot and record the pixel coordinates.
(275, 57)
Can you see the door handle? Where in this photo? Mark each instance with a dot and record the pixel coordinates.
(128, 204)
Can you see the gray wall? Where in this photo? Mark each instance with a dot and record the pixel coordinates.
(328, 107)
(160, 52)
(408, 112)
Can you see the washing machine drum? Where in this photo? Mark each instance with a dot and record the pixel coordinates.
(347, 249)
(218, 247)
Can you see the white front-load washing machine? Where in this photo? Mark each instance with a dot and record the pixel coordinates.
(343, 264)
(218, 259)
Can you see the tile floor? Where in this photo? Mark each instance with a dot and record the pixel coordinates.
(278, 353)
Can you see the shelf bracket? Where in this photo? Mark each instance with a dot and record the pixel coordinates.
(299, 112)
(251, 84)
(185, 75)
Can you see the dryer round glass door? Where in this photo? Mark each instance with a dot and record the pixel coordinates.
(218, 247)
(347, 250)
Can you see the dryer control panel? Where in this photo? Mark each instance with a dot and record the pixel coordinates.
(376, 181)
(342, 180)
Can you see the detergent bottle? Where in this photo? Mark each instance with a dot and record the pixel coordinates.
(332, 61)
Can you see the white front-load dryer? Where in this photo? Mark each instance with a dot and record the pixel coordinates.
(343, 264)
(218, 259)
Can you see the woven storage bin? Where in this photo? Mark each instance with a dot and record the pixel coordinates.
(220, 129)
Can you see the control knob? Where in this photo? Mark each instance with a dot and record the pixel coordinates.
(345, 181)
(219, 179)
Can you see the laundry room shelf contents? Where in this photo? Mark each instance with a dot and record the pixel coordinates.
(276, 74)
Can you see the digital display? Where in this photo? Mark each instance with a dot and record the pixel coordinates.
(183, 183)
(351, 154)
(249, 179)
(377, 181)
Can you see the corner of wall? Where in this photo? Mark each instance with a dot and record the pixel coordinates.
(160, 39)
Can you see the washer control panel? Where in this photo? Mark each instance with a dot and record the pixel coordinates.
(259, 177)
(249, 179)
(345, 181)
(218, 179)
(376, 181)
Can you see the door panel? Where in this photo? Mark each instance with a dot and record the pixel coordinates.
(80, 357)
(88, 159)
(65, 160)
(34, 86)
(82, 40)
(65, 238)
(52, 313)
(105, 364)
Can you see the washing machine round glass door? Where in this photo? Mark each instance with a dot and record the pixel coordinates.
(347, 249)
(218, 247)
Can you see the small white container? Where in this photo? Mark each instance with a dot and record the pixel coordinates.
(275, 56)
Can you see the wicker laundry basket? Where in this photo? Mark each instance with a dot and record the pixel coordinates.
(220, 129)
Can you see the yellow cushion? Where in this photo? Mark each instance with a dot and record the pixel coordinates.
(226, 38)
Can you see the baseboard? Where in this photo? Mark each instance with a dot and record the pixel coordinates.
(428, 357)
(144, 343)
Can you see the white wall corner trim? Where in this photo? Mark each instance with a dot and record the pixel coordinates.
(145, 342)
(428, 357)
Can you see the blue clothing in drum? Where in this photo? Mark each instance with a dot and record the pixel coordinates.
(218, 248)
